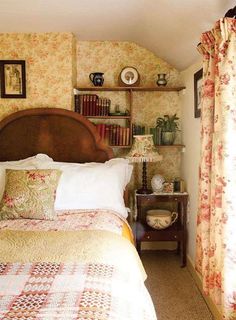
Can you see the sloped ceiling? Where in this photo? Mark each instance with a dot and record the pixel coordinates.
(169, 28)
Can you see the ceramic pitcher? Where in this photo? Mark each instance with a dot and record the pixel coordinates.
(97, 78)
(162, 79)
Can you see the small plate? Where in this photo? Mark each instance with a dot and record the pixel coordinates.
(129, 76)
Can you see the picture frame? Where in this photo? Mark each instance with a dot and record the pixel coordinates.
(13, 79)
(197, 93)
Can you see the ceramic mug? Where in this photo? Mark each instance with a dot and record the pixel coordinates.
(160, 219)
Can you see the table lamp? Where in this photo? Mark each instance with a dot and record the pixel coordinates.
(143, 150)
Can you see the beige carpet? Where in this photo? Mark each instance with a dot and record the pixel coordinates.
(173, 291)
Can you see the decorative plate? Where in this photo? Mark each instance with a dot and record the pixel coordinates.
(129, 76)
(157, 183)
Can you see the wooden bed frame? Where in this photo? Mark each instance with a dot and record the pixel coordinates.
(61, 134)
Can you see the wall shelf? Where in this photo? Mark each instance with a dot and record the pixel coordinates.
(120, 147)
(179, 146)
(130, 91)
(108, 117)
(165, 89)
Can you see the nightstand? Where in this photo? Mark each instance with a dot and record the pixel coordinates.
(176, 232)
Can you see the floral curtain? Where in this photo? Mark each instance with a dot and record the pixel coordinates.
(216, 224)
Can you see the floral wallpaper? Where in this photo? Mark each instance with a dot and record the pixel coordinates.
(58, 62)
(111, 57)
(49, 69)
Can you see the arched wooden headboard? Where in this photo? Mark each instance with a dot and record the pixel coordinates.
(61, 134)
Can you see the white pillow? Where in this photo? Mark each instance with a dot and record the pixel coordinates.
(92, 185)
(27, 164)
(40, 157)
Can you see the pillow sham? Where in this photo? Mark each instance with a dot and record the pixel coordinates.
(29, 194)
(92, 185)
(28, 163)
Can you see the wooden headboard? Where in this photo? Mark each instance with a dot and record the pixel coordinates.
(61, 134)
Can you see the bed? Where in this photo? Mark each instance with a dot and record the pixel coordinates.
(66, 249)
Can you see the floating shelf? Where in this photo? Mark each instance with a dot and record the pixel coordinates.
(166, 89)
(108, 117)
(124, 147)
(179, 146)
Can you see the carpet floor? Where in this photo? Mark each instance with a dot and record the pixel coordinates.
(172, 288)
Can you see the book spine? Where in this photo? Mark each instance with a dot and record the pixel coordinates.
(110, 134)
(121, 136)
(124, 137)
(114, 129)
(87, 104)
(99, 107)
(107, 132)
(127, 136)
(90, 105)
(94, 105)
(81, 99)
(77, 103)
(117, 135)
(84, 105)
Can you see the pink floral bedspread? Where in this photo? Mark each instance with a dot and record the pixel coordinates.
(83, 291)
(71, 291)
(68, 220)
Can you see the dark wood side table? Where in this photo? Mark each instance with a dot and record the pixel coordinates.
(176, 232)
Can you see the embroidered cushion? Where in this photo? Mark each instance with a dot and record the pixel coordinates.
(30, 194)
(24, 164)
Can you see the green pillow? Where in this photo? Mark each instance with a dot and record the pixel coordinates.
(30, 194)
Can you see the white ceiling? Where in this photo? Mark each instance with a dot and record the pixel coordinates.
(169, 28)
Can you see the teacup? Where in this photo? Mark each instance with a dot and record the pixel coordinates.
(160, 219)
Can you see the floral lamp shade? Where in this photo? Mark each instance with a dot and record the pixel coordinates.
(143, 150)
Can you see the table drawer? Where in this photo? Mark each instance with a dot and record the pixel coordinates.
(152, 200)
(160, 235)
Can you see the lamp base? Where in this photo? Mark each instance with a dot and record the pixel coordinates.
(144, 191)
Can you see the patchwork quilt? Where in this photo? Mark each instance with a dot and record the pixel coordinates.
(60, 272)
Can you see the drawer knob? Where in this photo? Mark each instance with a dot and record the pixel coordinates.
(175, 237)
(148, 237)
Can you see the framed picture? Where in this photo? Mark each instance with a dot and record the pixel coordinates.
(197, 93)
(12, 78)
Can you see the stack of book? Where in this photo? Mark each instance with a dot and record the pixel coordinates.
(114, 134)
(138, 129)
(92, 105)
(156, 132)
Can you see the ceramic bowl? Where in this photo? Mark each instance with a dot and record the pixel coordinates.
(160, 219)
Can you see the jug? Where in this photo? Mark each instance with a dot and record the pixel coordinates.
(97, 78)
(161, 79)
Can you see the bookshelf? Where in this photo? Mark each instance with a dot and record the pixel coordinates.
(128, 118)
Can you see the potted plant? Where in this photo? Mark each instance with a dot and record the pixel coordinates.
(168, 126)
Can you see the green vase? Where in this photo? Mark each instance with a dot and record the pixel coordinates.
(167, 138)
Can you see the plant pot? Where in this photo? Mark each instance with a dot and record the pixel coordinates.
(167, 138)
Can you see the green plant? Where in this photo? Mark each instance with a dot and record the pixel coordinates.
(168, 123)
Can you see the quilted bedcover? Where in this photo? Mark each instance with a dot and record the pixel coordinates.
(78, 268)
